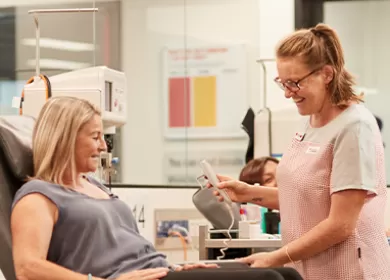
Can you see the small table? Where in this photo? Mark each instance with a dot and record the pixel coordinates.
(205, 243)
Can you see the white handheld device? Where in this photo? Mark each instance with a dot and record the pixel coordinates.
(213, 179)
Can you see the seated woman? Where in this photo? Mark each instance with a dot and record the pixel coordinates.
(64, 224)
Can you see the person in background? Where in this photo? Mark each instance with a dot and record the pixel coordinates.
(331, 180)
(380, 125)
(260, 171)
(379, 122)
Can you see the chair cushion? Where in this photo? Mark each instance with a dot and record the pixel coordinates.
(16, 144)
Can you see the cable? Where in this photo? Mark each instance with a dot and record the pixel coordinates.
(228, 232)
(183, 241)
(176, 227)
(47, 86)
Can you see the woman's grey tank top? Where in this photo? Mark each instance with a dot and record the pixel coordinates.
(97, 236)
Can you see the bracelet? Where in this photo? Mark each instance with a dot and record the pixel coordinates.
(173, 267)
(288, 255)
(89, 276)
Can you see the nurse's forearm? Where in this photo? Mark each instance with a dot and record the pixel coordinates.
(320, 238)
(264, 196)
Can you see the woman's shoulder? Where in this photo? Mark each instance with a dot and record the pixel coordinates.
(35, 186)
(359, 115)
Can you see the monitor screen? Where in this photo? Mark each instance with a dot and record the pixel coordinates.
(108, 96)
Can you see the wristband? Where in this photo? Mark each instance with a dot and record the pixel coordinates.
(288, 255)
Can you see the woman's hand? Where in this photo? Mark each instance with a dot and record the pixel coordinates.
(194, 266)
(145, 274)
(262, 260)
(238, 191)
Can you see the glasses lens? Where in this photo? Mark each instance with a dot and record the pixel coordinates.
(280, 84)
(292, 86)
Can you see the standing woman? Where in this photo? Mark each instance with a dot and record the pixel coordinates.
(331, 180)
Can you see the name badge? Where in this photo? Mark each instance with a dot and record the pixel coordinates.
(312, 150)
(299, 136)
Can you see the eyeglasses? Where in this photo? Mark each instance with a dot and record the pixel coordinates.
(293, 85)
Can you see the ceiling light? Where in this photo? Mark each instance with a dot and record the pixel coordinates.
(59, 44)
(58, 64)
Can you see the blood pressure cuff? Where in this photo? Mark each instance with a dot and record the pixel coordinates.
(216, 212)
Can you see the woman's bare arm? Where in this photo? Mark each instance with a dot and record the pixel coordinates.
(267, 197)
(241, 192)
(32, 222)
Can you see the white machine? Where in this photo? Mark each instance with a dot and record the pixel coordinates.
(104, 87)
(274, 130)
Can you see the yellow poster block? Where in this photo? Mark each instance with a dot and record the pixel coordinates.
(205, 101)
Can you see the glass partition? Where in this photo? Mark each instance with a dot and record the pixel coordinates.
(68, 42)
(225, 81)
(190, 77)
(365, 39)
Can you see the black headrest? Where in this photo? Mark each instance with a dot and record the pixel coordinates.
(16, 144)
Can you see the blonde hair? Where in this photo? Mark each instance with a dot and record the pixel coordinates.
(319, 46)
(55, 134)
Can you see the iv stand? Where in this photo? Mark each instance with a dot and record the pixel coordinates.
(37, 31)
(262, 63)
(265, 107)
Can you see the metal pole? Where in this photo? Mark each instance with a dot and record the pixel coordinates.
(37, 48)
(37, 30)
(203, 235)
(53, 11)
(262, 63)
(265, 107)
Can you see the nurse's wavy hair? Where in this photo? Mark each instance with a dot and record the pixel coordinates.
(55, 134)
(320, 46)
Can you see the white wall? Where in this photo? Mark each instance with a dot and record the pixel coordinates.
(150, 25)
(365, 40)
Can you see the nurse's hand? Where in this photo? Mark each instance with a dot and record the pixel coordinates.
(261, 260)
(195, 266)
(238, 191)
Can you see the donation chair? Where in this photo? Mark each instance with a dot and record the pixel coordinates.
(16, 165)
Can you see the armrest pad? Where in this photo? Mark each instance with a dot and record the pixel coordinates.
(222, 263)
